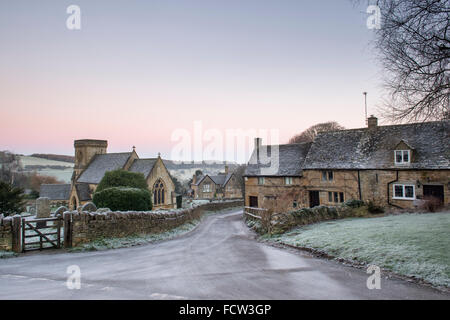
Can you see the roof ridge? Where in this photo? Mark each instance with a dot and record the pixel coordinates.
(105, 154)
(388, 125)
(286, 144)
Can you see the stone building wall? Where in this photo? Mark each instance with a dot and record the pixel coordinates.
(89, 226)
(199, 194)
(232, 189)
(275, 194)
(160, 172)
(373, 186)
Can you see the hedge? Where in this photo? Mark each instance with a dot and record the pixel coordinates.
(123, 199)
(122, 178)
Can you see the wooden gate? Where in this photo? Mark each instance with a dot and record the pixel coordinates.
(39, 234)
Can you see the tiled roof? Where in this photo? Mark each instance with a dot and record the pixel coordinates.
(102, 163)
(143, 166)
(55, 191)
(374, 149)
(220, 179)
(83, 191)
(289, 161)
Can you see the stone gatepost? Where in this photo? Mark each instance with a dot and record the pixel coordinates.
(42, 210)
(67, 218)
(16, 233)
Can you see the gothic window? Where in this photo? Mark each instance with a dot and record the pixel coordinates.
(158, 192)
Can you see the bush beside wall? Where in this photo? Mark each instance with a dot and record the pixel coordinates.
(282, 222)
(123, 198)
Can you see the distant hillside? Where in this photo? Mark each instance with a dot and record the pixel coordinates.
(61, 170)
(55, 157)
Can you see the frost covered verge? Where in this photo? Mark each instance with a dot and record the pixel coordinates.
(7, 254)
(125, 242)
(412, 245)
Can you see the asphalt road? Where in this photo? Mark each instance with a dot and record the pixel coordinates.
(219, 260)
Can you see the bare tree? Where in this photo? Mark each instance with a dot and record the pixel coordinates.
(414, 47)
(239, 172)
(309, 134)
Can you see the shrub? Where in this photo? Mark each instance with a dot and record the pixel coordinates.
(353, 203)
(122, 178)
(373, 208)
(123, 199)
(11, 199)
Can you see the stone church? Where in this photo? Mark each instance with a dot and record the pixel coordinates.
(92, 162)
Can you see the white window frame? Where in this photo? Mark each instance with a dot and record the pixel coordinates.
(403, 156)
(404, 191)
(288, 181)
(207, 187)
(261, 181)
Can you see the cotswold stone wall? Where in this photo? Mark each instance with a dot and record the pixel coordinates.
(281, 222)
(5, 233)
(82, 227)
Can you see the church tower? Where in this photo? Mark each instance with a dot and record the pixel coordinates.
(85, 150)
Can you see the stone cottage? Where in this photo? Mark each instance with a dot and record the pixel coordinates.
(222, 186)
(92, 162)
(276, 184)
(396, 165)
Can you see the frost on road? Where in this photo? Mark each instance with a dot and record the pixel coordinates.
(220, 259)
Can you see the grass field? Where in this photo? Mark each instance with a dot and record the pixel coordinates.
(60, 174)
(414, 245)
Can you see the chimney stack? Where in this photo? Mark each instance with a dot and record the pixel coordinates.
(257, 146)
(372, 122)
(194, 179)
(226, 169)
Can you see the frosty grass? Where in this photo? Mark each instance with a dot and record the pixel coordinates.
(414, 245)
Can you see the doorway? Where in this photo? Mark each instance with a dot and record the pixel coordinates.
(253, 202)
(314, 199)
(434, 191)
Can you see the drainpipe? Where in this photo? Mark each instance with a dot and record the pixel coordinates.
(359, 186)
(389, 191)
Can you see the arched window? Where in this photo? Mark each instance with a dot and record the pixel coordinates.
(158, 192)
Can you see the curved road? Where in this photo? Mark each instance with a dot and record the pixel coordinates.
(218, 260)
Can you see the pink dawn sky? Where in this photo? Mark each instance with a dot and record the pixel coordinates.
(137, 71)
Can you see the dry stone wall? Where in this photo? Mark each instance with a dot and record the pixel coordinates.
(88, 226)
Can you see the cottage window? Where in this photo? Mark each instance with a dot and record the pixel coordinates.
(207, 188)
(261, 180)
(327, 176)
(330, 196)
(406, 192)
(288, 180)
(402, 156)
(341, 197)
